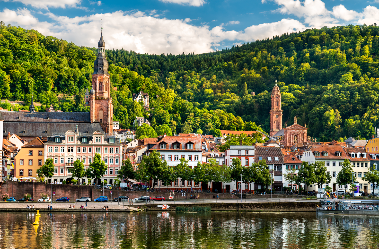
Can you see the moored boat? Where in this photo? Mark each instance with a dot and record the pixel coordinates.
(349, 207)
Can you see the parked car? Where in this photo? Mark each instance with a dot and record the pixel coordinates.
(121, 198)
(63, 199)
(101, 199)
(142, 199)
(23, 199)
(83, 199)
(47, 199)
(159, 198)
(11, 199)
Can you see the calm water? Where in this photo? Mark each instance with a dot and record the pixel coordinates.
(171, 230)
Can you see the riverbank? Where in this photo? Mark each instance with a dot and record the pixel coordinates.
(216, 205)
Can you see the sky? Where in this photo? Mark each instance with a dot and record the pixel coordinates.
(177, 26)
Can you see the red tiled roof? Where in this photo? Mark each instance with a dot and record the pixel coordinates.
(170, 140)
(330, 149)
(228, 132)
(350, 150)
(35, 143)
(291, 157)
(268, 151)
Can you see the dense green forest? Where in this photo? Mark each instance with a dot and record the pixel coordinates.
(328, 78)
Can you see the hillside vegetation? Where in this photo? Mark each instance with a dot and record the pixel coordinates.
(328, 79)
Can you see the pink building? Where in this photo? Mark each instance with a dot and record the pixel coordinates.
(65, 149)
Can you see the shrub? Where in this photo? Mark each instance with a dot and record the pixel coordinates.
(5, 196)
(27, 197)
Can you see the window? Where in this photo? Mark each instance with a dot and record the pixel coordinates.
(334, 174)
(339, 163)
(62, 149)
(111, 140)
(276, 158)
(116, 161)
(55, 160)
(359, 175)
(239, 152)
(364, 174)
(116, 171)
(176, 183)
(97, 139)
(334, 163)
(105, 160)
(89, 160)
(246, 162)
(106, 150)
(269, 158)
(362, 164)
(61, 170)
(70, 149)
(98, 149)
(78, 149)
(84, 140)
(21, 172)
(50, 149)
(365, 164)
(30, 172)
(30, 152)
(169, 157)
(55, 170)
(90, 149)
(62, 160)
(39, 153)
(183, 182)
(70, 160)
(162, 146)
(190, 157)
(111, 150)
(70, 139)
(84, 159)
(57, 140)
(183, 157)
(111, 161)
(30, 162)
(196, 157)
(259, 158)
(40, 162)
(189, 146)
(69, 170)
(176, 146)
(21, 162)
(246, 186)
(327, 163)
(110, 171)
(176, 157)
(56, 149)
(116, 149)
(106, 172)
(353, 155)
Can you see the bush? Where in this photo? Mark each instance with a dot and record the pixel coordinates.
(5, 196)
(64, 182)
(27, 197)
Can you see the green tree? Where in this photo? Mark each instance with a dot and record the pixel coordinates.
(372, 177)
(78, 170)
(126, 171)
(47, 170)
(183, 170)
(291, 176)
(307, 174)
(96, 169)
(322, 176)
(151, 167)
(163, 130)
(145, 131)
(236, 169)
(345, 176)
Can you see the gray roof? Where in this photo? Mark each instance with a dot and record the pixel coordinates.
(45, 116)
(279, 133)
(45, 129)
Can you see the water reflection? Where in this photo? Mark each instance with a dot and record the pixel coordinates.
(171, 230)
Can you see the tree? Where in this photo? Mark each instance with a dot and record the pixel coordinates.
(167, 176)
(322, 176)
(345, 176)
(126, 171)
(262, 173)
(78, 170)
(183, 170)
(151, 167)
(372, 177)
(236, 169)
(97, 168)
(290, 176)
(307, 174)
(163, 130)
(145, 131)
(47, 170)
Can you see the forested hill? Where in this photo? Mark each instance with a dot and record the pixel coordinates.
(328, 79)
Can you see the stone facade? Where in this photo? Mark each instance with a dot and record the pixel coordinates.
(276, 112)
(294, 135)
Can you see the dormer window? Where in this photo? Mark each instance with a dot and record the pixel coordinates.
(269, 158)
(316, 153)
(324, 153)
(276, 158)
(111, 140)
(162, 146)
(84, 140)
(190, 146)
(98, 139)
(176, 146)
(358, 155)
(57, 140)
(363, 155)
(338, 153)
(70, 139)
(353, 155)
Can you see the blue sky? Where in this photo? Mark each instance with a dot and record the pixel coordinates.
(177, 26)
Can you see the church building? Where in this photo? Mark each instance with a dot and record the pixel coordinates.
(29, 125)
(291, 135)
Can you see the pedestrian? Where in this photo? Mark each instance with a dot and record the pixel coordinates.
(27, 206)
(217, 196)
(33, 206)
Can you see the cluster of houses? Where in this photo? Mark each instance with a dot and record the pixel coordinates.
(29, 138)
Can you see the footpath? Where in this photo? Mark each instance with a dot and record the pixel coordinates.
(253, 205)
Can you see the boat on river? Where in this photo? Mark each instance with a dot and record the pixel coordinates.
(348, 207)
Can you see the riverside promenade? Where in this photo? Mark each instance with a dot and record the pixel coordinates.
(254, 205)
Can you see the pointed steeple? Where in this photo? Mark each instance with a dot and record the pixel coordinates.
(31, 107)
(101, 63)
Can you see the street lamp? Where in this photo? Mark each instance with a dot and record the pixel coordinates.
(241, 188)
(272, 177)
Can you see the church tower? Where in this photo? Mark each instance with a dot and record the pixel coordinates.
(100, 101)
(276, 112)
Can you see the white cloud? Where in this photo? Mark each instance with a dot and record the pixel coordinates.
(98, 3)
(233, 22)
(341, 12)
(45, 4)
(369, 16)
(196, 3)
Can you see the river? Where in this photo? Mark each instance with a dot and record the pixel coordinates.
(161, 230)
